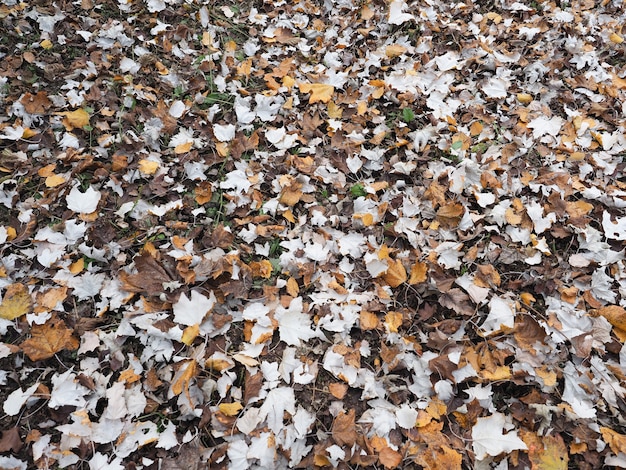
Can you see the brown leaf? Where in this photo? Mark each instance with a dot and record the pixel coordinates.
(450, 214)
(527, 331)
(10, 440)
(48, 339)
(338, 390)
(36, 104)
(457, 300)
(419, 273)
(343, 430)
(389, 457)
(150, 277)
(252, 386)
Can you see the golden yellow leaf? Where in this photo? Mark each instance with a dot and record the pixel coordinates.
(616, 38)
(615, 440)
(292, 287)
(393, 320)
(77, 266)
(320, 92)
(48, 339)
(53, 181)
(75, 119)
(524, 98)
(183, 148)
(189, 334)
(230, 409)
(366, 219)
(419, 273)
(396, 274)
(46, 44)
(148, 167)
(546, 452)
(186, 370)
(129, 376)
(527, 298)
(334, 111)
(394, 50)
(549, 377)
(16, 302)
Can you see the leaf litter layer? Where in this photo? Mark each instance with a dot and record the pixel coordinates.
(306, 235)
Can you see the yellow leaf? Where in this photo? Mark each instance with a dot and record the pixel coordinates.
(524, 98)
(615, 314)
(546, 452)
(75, 119)
(334, 111)
(186, 371)
(320, 92)
(46, 44)
(396, 274)
(394, 50)
(292, 287)
(230, 409)
(366, 219)
(616, 441)
(189, 334)
(53, 181)
(148, 167)
(393, 320)
(183, 148)
(16, 302)
(527, 298)
(616, 38)
(419, 273)
(77, 266)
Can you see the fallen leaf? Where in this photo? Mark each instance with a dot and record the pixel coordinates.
(547, 452)
(615, 440)
(368, 320)
(419, 273)
(396, 274)
(75, 119)
(48, 339)
(230, 409)
(185, 372)
(343, 430)
(10, 440)
(389, 457)
(15, 302)
(320, 92)
(338, 390)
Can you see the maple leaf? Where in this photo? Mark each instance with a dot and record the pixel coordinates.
(15, 302)
(294, 325)
(488, 437)
(48, 339)
(83, 202)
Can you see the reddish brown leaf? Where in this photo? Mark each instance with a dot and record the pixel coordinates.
(10, 440)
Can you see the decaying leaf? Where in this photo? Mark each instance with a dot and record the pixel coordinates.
(343, 430)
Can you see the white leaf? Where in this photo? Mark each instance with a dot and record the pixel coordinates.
(500, 314)
(16, 399)
(278, 401)
(294, 326)
(406, 416)
(542, 126)
(67, 391)
(614, 230)
(177, 109)
(488, 437)
(396, 12)
(224, 133)
(191, 311)
(496, 88)
(84, 203)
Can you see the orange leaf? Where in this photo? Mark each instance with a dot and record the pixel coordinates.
(338, 390)
(390, 458)
(615, 314)
(48, 339)
(396, 274)
(292, 287)
(320, 92)
(203, 193)
(16, 302)
(616, 441)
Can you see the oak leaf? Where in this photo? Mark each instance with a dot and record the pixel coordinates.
(48, 339)
(16, 302)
